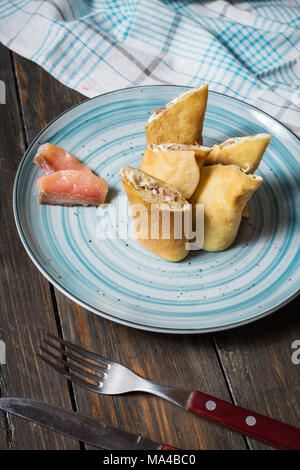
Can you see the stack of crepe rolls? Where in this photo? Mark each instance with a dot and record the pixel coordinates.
(197, 171)
(159, 212)
(220, 178)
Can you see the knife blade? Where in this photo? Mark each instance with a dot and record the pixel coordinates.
(77, 426)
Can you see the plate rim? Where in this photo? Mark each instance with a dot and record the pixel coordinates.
(99, 312)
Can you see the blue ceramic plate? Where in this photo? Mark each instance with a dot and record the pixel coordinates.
(119, 279)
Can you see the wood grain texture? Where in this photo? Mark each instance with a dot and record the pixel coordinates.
(185, 361)
(26, 306)
(257, 360)
(42, 97)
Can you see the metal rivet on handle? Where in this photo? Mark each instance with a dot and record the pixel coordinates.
(211, 405)
(250, 420)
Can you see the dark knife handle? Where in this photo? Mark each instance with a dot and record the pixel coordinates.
(247, 422)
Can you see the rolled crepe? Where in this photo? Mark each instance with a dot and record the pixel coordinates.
(245, 152)
(179, 121)
(175, 165)
(201, 152)
(224, 191)
(159, 211)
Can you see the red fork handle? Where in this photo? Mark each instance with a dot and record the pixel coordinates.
(247, 422)
(166, 447)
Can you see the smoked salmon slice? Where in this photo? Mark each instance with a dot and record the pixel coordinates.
(72, 188)
(51, 158)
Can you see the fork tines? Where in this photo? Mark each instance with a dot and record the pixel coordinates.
(68, 360)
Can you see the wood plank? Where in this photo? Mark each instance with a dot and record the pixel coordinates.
(185, 361)
(42, 97)
(26, 305)
(258, 362)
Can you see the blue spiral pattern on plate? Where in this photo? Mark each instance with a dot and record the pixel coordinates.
(121, 280)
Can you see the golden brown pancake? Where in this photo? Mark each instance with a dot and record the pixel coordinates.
(180, 120)
(224, 191)
(245, 152)
(152, 203)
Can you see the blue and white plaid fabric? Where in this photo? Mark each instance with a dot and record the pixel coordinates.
(249, 50)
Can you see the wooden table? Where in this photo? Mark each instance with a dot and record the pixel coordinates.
(250, 366)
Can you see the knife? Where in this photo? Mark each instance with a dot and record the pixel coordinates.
(77, 426)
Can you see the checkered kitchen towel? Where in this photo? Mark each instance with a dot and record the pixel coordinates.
(249, 50)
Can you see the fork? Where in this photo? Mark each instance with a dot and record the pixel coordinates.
(110, 378)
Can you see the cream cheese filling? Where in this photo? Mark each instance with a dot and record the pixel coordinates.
(162, 192)
(176, 147)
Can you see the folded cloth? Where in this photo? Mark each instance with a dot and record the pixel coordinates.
(249, 50)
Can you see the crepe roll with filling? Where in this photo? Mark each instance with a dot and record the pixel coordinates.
(245, 152)
(180, 120)
(201, 152)
(159, 213)
(224, 191)
(176, 166)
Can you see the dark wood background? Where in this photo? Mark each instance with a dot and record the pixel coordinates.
(250, 366)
